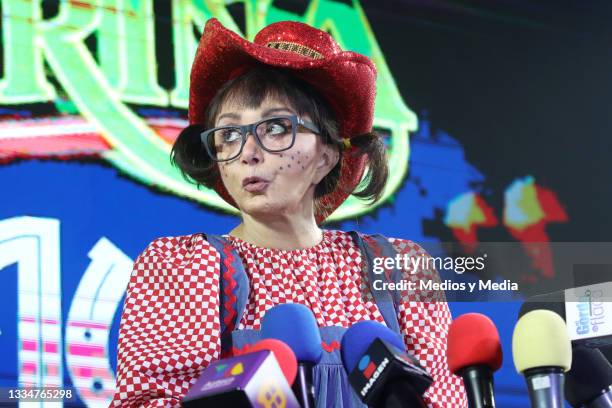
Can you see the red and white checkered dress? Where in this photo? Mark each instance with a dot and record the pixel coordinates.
(170, 323)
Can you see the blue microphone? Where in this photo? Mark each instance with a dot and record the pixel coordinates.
(380, 370)
(358, 338)
(295, 325)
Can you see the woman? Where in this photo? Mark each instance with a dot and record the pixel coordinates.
(281, 129)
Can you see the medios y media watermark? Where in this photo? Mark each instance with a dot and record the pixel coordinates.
(419, 273)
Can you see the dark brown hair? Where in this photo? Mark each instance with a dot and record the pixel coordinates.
(249, 91)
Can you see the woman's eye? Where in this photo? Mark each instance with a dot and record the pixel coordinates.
(276, 128)
(231, 135)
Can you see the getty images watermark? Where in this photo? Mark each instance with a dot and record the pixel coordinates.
(418, 273)
(490, 271)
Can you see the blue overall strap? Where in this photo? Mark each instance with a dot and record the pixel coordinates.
(233, 288)
(373, 246)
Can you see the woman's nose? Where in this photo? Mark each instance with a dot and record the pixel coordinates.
(251, 151)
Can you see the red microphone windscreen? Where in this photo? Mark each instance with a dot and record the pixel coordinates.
(473, 340)
(283, 354)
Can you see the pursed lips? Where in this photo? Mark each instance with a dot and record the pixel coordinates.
(252, 180)
(255, 184)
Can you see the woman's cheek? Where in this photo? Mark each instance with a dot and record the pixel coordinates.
(294, 162)
(229, 180)
(223, 170)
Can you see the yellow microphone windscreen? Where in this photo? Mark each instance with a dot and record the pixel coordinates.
(541, 340)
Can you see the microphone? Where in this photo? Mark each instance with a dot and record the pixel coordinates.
(589, 383)
(282, 352)
(586, 309)
(474, 352)
(380, 371)
(253, 379)
(542, 352)
(295, 325)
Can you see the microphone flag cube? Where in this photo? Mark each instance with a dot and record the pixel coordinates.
(249, 380)
(381, 364)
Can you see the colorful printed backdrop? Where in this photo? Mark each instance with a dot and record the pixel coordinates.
(496, 119)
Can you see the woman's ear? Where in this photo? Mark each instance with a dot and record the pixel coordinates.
(327, 161)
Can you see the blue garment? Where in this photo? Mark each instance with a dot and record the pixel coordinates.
(332, 387)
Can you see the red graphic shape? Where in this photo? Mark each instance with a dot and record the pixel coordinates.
(535, 237)
(369, 370)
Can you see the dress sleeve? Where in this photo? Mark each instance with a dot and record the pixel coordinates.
(170, 323)
(424, 324)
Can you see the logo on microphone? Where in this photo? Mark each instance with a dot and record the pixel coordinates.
(226, 370)
(366, 366)
(590, 312)
(271, 395)
(370, 371)
(224, 374)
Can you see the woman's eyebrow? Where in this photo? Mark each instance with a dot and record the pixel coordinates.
(268, 112)
(230, 115)
(276, 110)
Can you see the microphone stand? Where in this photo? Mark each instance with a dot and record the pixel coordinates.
(478, 381)
(303, 387)
(545, 385)
(400, 394)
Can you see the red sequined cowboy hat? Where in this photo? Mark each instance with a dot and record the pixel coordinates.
(346, 80)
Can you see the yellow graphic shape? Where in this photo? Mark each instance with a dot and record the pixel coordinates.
(522, 207)
(237, 369)
(464, 212)
(271, 395)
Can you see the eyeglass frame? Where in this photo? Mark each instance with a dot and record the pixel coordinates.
(251, 128)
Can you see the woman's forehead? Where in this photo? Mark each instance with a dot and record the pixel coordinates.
(237, 104)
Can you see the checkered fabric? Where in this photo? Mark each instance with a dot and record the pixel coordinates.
(170, 322)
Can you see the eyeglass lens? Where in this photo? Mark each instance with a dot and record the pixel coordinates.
(275, 134)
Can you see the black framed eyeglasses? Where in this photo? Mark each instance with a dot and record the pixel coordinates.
(274, 134)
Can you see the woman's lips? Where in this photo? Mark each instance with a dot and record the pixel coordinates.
(255, 184)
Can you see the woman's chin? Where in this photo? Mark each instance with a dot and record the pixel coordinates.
(261, 206)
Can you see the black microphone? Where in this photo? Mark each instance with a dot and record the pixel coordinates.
(588, 383)
(295, 325)
(607, 352)
(380, 371)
